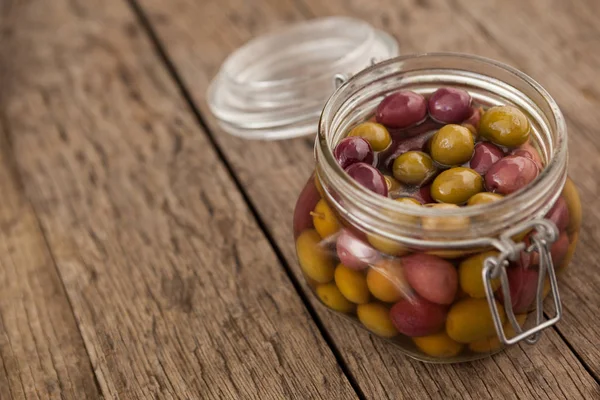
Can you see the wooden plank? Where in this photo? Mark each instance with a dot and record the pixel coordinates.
(176, 291)
(195, 38)
(42, 354)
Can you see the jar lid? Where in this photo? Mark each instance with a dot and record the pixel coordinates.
(275, 86)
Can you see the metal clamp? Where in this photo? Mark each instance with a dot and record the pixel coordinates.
(495, 266)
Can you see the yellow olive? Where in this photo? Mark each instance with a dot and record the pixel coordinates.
(438, 345)
(456, 185)
(444, 223)
(484, 198)
(469, 274)
(570, 252)
(376, 318)
(392, 184)
(470, 320)
(413, 168)
(386, 245)
(376, 134)
(352, 284)
(452, 145)
(505, 126)
(492, 343)
(386, 281)
(324, 220)
(571, 196)
(313, 258)
(331, 296)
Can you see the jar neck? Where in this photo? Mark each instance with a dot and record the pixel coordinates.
(489, 83)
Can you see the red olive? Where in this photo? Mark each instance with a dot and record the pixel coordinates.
(418, 317)
(527, 150)
(559, 214)
(353, 252)
(523, 288)
(401, 109)
(449, 105)
(369, 177)
(433, 278)
(510, 174)
(485, 155)
(353, 149)
(308, 199)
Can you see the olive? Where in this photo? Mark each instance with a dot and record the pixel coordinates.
(492, 343)
(472, 121)
(408, 201)
(352, 150)
(319, 186)
(352, 284)
(484, 198)
(485, 155)
(449, 105)
(386, 246)
(456, 185)
(324, 220)
(386, 280)
(505, 126)
(559, 214)
(353, 252)
(510, 174)
(423, 195)
(452, 145)
(306, 203)
(417, 316)
(522, 283)
(376, 318)
(331, 296)
(402, 109)
(376, 134)
(571, 195)
(314, 260)
(413, 168)
(527, 150)
(400, 146)
(558, 252)
(433, 278)
(469, 273)
(570, 252)
(444, 223)
(438, 345)
(470, 320)
(369, 177)
(392, 184)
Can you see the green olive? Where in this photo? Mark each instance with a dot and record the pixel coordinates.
(413, 168)
(484, 198)
(376, 134)
(452, 145)
(505, 126)
(456, 185)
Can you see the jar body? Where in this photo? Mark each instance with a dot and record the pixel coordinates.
(416, 277)
(377, 283)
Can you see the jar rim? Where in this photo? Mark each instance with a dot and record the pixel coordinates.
(553, 174)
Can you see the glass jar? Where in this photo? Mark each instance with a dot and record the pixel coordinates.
(445, 285)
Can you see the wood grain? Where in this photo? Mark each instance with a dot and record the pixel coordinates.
(195, 38)
(42, 354)
(176, 291)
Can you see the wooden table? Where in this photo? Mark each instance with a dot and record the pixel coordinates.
(146, 254)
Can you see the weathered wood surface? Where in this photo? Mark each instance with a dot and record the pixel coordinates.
(174, 287)
(132, 265)
(195, 40)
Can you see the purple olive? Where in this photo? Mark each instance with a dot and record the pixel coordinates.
(401, 110)
(558, 252)
(473, 118)
(353, 149)
(449, 105)
(523, 288)
(510, 174)
(485, 155)
(559, 214)
(423, 195)
(527, 150)
(369, 177)
(353, 252)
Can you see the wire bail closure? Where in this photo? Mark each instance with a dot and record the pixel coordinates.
(494, 267)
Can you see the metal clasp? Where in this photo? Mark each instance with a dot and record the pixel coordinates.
(546, 234)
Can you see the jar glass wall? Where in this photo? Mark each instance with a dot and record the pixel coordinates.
(413, 274)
